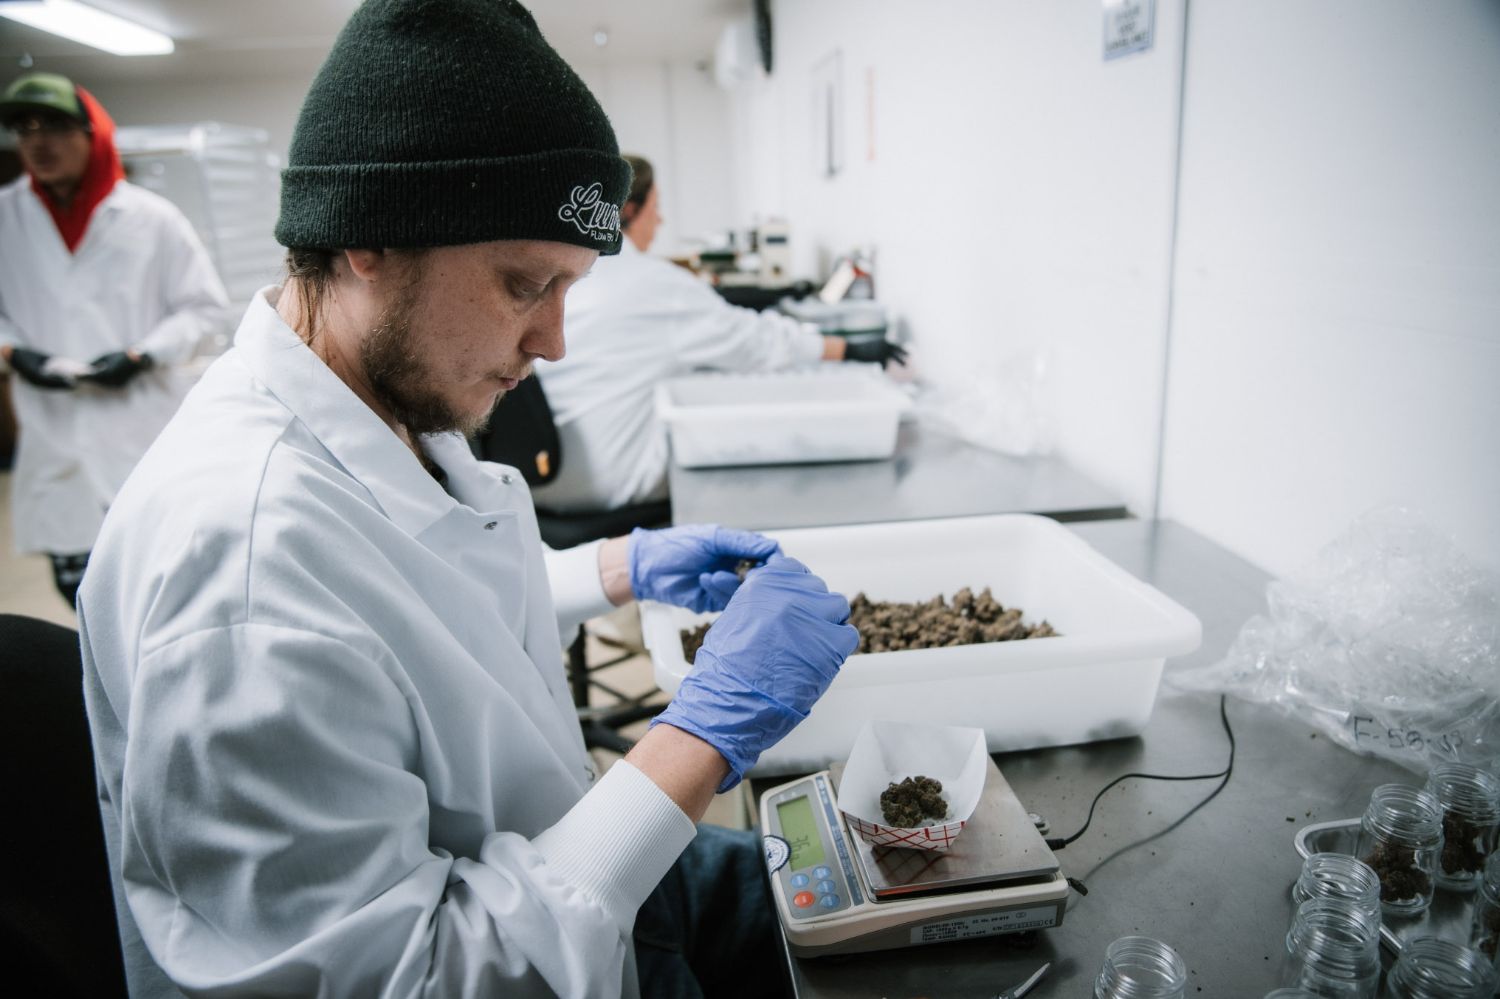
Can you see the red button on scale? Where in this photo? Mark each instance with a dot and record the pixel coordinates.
(802, 899)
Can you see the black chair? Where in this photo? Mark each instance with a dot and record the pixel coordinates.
(57, 910)
(523, 434)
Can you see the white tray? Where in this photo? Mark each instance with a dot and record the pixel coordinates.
(829, 413)
(1096, 680)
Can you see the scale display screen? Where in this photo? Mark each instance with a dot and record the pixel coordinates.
(800, 830)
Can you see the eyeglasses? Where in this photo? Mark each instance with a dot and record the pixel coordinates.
(29, 126)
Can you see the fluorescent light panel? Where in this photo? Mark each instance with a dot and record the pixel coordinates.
(89, 26)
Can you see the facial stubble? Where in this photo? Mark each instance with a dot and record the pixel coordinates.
(402, 379)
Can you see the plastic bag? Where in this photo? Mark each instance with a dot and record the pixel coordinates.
(1005, 407)
(1388, 642)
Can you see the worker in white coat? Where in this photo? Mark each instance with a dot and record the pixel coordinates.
(105, 292)
(637, 321)
(336, 750)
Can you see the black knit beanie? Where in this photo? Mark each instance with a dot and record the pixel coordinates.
(444, 122)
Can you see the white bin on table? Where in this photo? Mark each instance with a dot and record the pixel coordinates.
(830, 413)
(1096, 680)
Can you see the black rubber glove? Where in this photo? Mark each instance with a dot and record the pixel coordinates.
(29, 364)
(114, 370)
(874, 350)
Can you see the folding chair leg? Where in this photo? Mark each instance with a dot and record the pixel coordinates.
(578, 670)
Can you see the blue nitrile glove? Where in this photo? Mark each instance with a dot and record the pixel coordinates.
(763, 664)
(692, 566)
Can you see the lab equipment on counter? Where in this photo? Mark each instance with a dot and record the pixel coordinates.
(1470, 799)
(1333, 948)
(1450, 915)
(829, 413)
(836, 894)
(1431, 968)
(1096, 679)
(773, 243)
(888, 753)
(1340, 877)
(1400, 837)
(1484, 932)
(850, 317)
(1141, 968)
(1019, 990)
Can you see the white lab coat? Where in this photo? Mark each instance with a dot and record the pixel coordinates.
(635, 321)
(337, 754)
(140, 279)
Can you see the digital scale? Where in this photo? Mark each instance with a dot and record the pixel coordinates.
(836, 894)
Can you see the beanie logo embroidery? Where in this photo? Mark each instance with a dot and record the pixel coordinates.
(596, 218)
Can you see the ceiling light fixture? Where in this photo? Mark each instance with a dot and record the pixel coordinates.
(89, 26)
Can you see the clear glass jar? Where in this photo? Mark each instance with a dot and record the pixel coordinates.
(1292, 994)
(1485, 935)
(1430, 968)
(1141, 968)
(1400, 838)
(1333, 949)
(1470, 799)
(1341, 877)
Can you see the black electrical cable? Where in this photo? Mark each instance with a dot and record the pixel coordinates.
(1059, 843)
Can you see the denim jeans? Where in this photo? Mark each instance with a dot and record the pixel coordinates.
(709, 929)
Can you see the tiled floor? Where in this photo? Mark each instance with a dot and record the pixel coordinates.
(26, 588)
(634, 676)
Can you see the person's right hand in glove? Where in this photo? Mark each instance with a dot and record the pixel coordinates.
(41, 370)
(117, 369)
(874, 350)
(765, 662)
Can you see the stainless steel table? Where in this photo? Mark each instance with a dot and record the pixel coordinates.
(1215, 885)
(930, 475)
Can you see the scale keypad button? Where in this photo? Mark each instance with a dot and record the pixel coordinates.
(830, 901)
(826, 886)
(802, 899)
(800, 881)
(822, 872)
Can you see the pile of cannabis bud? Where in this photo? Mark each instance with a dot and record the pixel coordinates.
(888, 626)
(907, 804)
(1401, 878)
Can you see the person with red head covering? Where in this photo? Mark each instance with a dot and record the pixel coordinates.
(106, 290)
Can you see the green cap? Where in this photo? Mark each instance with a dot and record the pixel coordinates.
(41, 92)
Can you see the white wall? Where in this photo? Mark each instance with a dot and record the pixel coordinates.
(270, 103)
(673, 114)
(1336, 338)
(1018, 196)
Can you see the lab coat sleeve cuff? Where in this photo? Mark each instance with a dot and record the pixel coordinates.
(808, 348)
(618, 842)
(577, 591)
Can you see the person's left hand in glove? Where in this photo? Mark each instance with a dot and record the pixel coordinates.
(693, 566)
(116, 369)
(874, 350)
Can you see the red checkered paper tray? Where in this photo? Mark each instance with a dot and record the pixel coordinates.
(887, 752)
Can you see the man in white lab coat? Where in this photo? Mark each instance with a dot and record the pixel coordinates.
(105, 291)
(336, 749)
(637, 321)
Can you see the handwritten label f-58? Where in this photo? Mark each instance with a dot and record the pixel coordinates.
(1401, 738)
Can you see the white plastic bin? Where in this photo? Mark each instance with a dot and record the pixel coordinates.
(837, 413)
(1096, 680)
